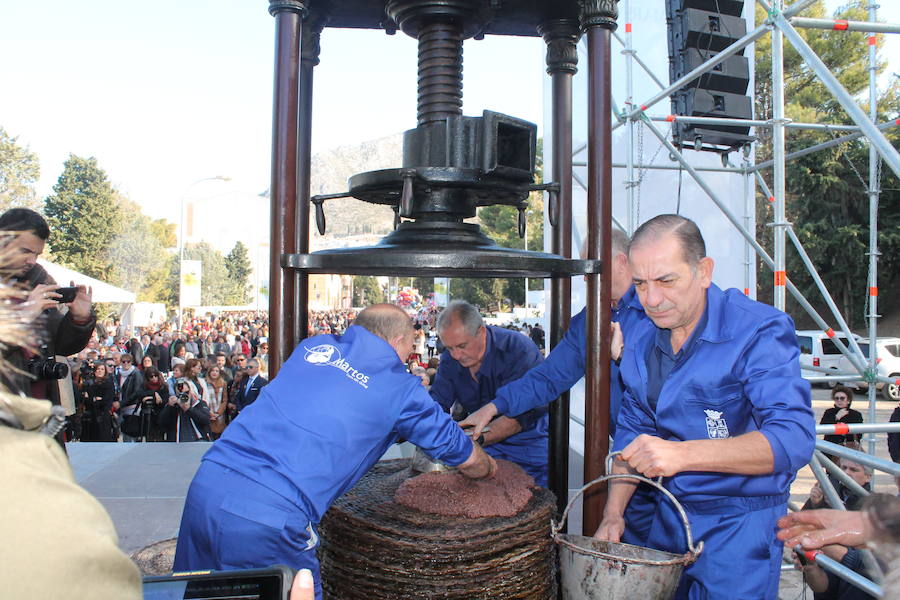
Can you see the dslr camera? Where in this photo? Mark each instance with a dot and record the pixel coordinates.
(44, 366)
(181, 386)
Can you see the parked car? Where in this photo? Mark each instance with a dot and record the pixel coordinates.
(818, 350)
(888, 365)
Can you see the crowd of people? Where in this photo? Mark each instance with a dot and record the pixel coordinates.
(162, 383)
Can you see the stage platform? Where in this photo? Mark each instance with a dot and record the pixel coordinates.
(142, 486)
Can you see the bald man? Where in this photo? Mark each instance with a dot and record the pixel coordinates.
(335, 407)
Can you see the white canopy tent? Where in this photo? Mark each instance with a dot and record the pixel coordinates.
(101, 291)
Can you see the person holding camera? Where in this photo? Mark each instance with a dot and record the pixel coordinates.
(23, 235)
(185, 418)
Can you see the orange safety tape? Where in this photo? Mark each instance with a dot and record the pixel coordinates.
(841, 429)
(780, 278)
(829, 332)
(841, 25)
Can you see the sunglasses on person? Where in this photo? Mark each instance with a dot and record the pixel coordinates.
(241, 360)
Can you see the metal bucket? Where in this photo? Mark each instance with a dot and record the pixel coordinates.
(591, 569)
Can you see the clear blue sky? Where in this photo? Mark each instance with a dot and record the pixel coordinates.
(169, 92)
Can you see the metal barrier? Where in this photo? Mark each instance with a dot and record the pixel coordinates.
(822, 466)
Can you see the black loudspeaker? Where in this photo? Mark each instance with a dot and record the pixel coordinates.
(697, 30)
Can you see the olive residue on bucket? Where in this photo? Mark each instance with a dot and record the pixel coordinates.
(454, 495)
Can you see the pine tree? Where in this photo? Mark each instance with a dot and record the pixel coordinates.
(237, 263)
(84, 217)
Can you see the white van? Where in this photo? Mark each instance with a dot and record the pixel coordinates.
(818, 350)
(888, 359)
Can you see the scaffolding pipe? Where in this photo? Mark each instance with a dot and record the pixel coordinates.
(752, 123)
(760, 251)
(859, 457)
(843, 25)
(839, 474)
(638, 60)
(630, 182)
(873, 194)
(666, 168)
(856, 357)
(707, 66)
(779, 220)
(823, 146)
(876, 138)
(845, 428)
(833, 566)
(831, 495)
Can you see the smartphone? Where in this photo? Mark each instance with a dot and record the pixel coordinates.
(272, 583)
(68, 294)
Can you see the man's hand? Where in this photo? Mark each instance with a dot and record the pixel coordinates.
(611, 528)
(479, 419)
(80, 307)
(501, 428)
(303, 587)
(172, 400)
(654, 457)
(617, 343)
(42, 297)
(479, 465)
(815, 528)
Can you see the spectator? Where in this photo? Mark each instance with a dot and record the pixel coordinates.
(537, 336)
(893, 439)
(238, 363)
(841, 413)
(153, 397)
(217, 400)
(263, 357)
(249, 391)
(861, 474)
(65, 332)
(180, 355)
(100, 403)
(131, 382)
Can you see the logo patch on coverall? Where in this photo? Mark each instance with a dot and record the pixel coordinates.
(716, 426)
(326, 355)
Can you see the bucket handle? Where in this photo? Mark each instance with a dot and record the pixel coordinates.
(557, 527)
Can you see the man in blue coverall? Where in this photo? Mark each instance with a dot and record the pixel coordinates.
(715, 404)
(335, 407)
(478, 359)
(566, 365)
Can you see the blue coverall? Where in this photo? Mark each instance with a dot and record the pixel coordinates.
(335, 407)
(563, 368)
(742, 375)
(507, 356)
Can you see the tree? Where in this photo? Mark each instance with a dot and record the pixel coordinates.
(19, 171)
(366, 291)
(826, 195)
(84, 217)
(136, 257)
(215, 286)
(237, 263)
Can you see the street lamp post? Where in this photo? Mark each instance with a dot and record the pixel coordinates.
(181, 244)
(527, 212)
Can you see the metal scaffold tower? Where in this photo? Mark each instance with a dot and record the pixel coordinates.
(781, 23)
